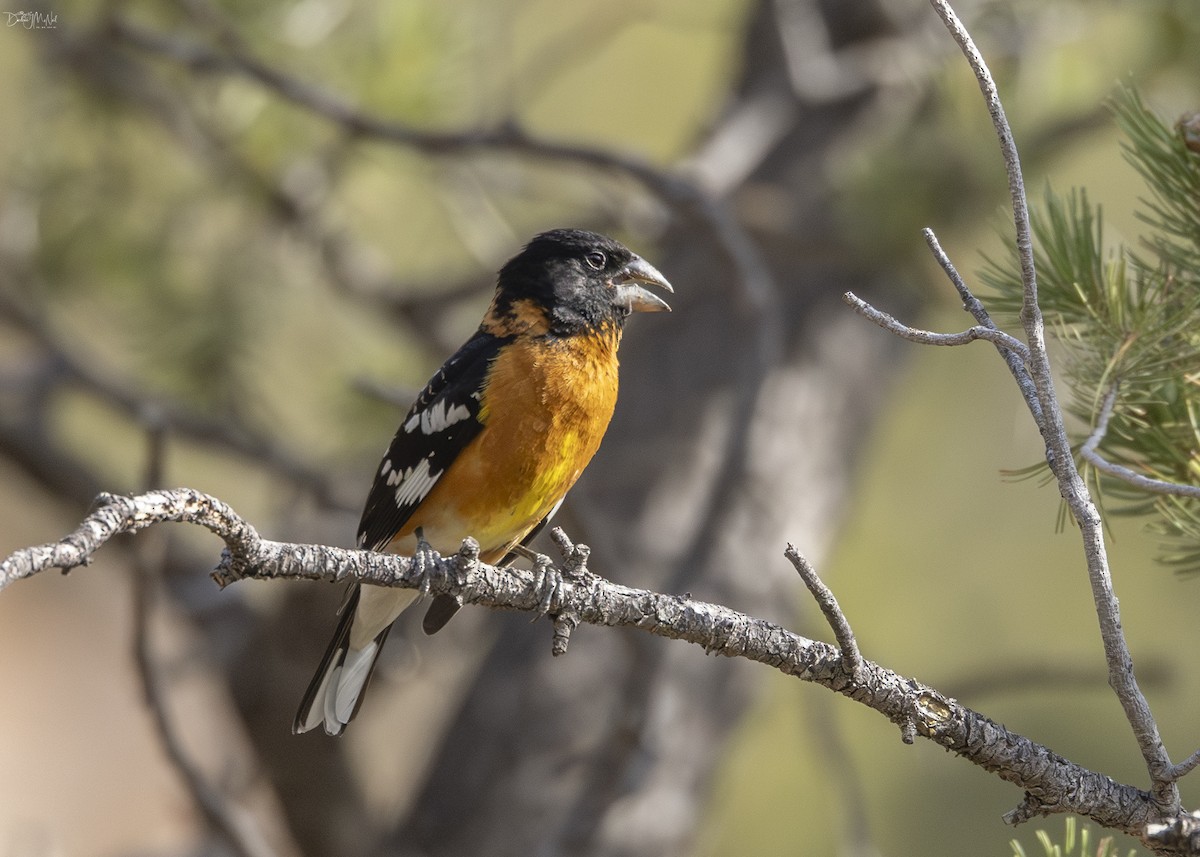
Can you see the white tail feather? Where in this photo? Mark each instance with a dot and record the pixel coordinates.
(326, 703)
(316, 713)
(352, 678)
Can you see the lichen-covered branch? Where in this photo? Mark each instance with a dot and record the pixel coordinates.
(1051, 783)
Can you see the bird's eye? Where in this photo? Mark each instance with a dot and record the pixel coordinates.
(596, 259)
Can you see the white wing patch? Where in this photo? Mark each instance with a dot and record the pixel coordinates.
(436, 417)
(413, 483)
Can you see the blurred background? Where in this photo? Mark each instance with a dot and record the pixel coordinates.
(235, 239)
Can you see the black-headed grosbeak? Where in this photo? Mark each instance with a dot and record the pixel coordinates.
(495, 440)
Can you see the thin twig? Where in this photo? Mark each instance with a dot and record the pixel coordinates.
(925, 337)
(971, 303)
(1184, 768)
(1057, 444)
(1090, 453)
(1008, 148)
(851, 657)
(1015, 360)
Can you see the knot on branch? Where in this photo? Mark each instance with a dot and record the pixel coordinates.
(564, 623)
(932, 713)
(575, 556)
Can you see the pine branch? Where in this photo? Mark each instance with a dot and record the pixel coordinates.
(1036, 382)
(1126, 323)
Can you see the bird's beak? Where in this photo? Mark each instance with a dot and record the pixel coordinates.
(630, 293)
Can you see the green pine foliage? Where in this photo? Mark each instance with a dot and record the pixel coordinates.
(1128, 321)
(1072, 836)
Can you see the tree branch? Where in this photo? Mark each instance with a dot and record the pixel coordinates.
(1051, 783)
(851, 657)
(1058, 446)
(754, 286)
(1014, 359)
(1185, 767)
(225, 432)
(925, 337)
(1089, 452)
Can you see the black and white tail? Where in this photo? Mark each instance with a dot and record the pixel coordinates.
(336, 691)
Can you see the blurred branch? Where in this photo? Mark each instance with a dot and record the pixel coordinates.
(843, 776)
(1013, 678)
(347, 262)
(63, 474)
(738, 144)
(1051, 783)
(754, 284)
(817, 70)
(237, 829)
(62, 367)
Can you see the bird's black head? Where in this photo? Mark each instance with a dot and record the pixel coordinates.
(571, 281)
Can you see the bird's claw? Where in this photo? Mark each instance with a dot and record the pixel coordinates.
(426, 561)
(549, 584)
(466, 560)
(526, 553)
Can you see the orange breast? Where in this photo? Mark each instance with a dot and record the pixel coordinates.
(545, 410)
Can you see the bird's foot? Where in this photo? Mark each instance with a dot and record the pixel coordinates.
(549, 584)
(466, 560)
(552, 584)
(525, 553)
(426, 561)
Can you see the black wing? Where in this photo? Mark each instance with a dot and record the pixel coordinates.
(440, 423)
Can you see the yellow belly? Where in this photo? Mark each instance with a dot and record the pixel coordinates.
(545, 412)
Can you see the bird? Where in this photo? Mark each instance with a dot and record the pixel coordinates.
(494, 441)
